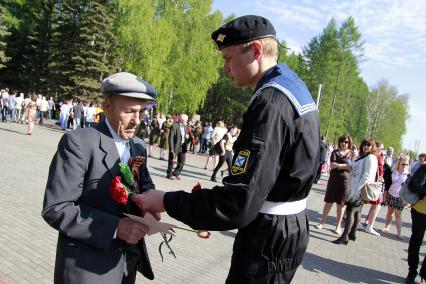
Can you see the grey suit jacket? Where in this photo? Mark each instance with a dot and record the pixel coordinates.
(78, 204)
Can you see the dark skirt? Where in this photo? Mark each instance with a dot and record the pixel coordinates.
(337, 187)
(394, 202)
(164, 142)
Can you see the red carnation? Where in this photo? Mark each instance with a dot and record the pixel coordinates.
(203, 234)
(118, 191)
(200, 233)
(196, 187)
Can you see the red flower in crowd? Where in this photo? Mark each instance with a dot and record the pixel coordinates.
(118, 191)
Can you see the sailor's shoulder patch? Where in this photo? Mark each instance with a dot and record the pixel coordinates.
(240, 162)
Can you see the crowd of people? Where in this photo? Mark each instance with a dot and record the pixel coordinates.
(32, 108)
(25, 109)
(350, 170)
(72, 114)
(176, 135)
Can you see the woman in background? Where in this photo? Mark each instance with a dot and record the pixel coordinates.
(31, 113)
(338, 182)
(218, 132)
(363, 171)
(393, 201)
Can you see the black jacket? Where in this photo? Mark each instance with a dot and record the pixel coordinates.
(175, 139)
(276, 159)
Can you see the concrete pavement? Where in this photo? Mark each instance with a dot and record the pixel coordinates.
(27, 243)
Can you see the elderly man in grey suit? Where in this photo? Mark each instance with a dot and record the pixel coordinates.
(96, 242)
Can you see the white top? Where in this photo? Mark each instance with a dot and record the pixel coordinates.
(19, 100)
(363, 171)
(65, 110)
(218, 133)
(91, 111)
(397, 180)
(44, 105)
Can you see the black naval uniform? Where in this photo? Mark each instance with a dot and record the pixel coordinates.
(276, 158)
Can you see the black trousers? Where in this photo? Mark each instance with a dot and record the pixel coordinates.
(42, 116)
(318, 175)
(269, 249)
(181, 156)
(222, 159)
(418, 228)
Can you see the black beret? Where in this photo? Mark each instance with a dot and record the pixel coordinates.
(128, 85)
(241, 30)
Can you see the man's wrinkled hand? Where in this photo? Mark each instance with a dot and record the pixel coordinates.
(150, 201)
(131, 231)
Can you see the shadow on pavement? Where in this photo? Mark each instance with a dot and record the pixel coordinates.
(347, 272)
(228, 234)
(184, 173)
(314, 216)
(13, 131)
(318, 190)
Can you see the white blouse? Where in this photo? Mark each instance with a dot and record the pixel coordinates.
(362, 172)
(397, 180)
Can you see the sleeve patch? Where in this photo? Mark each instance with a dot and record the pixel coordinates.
(240, 164)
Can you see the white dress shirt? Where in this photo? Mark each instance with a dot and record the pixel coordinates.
(123, 146)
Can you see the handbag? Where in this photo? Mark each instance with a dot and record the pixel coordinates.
(407, 195)
(371, 191)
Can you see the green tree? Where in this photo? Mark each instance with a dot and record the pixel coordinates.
(333, 61)
(168, 44)
(145, 43)
(95, 40)
(225, 102)
(387, 114)
(28, 44)
(294, 61)
(4, 32)
(83, 48)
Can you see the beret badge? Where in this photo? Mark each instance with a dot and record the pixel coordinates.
(221, 37)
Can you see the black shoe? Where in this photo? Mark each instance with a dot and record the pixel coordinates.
(340, 241)
(411, 277)
(411, 281)
(422, 276)
(213, 179)
(352, 237)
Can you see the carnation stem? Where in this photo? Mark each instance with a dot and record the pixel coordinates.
(185, 229)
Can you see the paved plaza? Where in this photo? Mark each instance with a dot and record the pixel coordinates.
(27, 243)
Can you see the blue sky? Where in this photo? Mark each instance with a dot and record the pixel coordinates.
(393, 31)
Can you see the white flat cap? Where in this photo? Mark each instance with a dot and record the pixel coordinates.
(128, 85)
